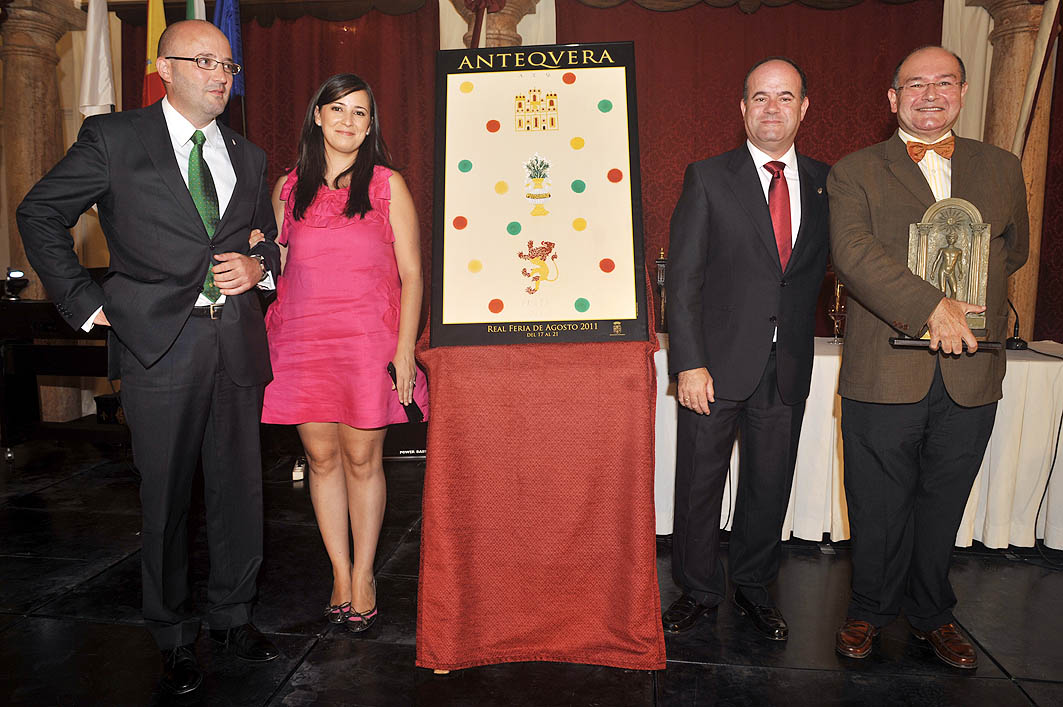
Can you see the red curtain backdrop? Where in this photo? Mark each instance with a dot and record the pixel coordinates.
(287, 61)
(1049, 321)
(690, 64)
(689, 71)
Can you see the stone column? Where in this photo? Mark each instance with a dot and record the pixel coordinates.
(33, 139)
(501, 26)
(33, 128)
(1015, 24)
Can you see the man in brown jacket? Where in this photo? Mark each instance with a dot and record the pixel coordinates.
(915, 423)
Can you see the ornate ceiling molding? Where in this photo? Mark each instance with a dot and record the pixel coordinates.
(266, 11)
(747, 6)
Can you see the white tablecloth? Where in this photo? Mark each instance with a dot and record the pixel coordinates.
(1006, 493)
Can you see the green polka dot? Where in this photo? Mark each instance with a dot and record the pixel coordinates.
(514, 228)
(605, 105)
(579, 186)
(464, 166)
(582, 304)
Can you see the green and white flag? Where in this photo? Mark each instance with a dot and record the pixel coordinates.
(195, 10)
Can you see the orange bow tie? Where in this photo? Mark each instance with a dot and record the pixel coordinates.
(916, 150)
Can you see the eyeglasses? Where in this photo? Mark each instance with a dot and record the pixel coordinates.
(919, 87)
(205, 62)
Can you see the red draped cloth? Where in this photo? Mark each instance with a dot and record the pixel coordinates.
(538, 536)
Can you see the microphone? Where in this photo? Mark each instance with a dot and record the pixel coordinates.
(1014, 343)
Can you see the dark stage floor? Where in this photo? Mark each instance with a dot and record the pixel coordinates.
(70, 630)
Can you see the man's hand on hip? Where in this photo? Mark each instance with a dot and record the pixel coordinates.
(101, 319)
(948, 328)
(695, 390)
(236, 273)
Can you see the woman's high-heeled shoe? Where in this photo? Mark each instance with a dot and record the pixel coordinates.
(357, 622)
(338, 613)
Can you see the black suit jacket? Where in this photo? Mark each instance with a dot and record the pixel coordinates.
(727, 291)
(125, 164)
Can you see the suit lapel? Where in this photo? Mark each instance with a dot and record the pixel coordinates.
(243, 178)
(811, 210)
(908, 172)
(151, 127)
(966, 166)
(749, 193)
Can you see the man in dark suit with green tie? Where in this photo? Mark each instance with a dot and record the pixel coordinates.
(178, 195)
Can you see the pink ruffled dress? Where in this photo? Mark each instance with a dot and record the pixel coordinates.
(335, 323)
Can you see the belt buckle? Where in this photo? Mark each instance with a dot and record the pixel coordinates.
(215, 311)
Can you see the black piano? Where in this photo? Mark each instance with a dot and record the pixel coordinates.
(36, 341)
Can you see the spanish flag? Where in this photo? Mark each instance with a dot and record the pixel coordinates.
(153, 89)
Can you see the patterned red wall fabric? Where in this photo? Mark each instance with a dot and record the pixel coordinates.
(1049, 321)
(689, 69)
(286, 62)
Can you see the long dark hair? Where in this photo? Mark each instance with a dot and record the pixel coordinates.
(312, 164)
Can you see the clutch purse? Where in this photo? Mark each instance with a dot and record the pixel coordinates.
(413, 410)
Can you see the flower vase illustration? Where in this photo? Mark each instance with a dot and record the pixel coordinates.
(538, 184)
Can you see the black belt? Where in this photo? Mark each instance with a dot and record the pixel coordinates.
(213, 311)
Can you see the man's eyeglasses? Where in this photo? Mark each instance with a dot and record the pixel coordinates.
(919, 87)
(205, 62)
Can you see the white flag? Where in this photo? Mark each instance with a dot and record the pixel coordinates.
(195, 10)
(97, 83)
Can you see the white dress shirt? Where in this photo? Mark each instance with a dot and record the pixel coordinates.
(793, 182)
(936, 169)
(221, 171)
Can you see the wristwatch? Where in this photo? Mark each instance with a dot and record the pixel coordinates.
(261, 264)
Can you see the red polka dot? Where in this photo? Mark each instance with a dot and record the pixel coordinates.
(495, 306)
(607, 265)
(493, 126)
(615, 175)
(460, 222)
(569, 77)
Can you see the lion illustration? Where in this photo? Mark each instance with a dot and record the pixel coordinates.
(540, 271)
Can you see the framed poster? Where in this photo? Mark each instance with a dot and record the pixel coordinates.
(538, 214)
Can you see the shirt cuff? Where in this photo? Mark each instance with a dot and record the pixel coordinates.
(87, 326)
(268, 283)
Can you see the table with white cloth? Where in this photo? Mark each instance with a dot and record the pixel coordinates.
(1003, 506)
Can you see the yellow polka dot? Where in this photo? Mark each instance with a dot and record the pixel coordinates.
(465, 87)
(577, 143)
(501, 187)
(475, 266)
(579, 224)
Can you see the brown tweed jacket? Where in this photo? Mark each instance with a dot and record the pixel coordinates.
(874, 195)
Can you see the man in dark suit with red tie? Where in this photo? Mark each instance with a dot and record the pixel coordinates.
(747, 257)
(178, 195)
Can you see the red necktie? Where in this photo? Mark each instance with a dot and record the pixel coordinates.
(779, 206)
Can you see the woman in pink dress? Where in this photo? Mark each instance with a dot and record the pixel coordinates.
(348, 304)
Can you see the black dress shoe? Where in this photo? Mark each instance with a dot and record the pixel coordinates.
(180, 672)
(767, 619)
(246, 642)
(682, 614)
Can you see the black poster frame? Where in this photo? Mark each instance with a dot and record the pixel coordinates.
(498, 59)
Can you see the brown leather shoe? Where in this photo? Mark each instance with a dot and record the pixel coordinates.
(853, 639)
(950, 646)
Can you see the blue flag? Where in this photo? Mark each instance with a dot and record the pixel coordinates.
(227, 19)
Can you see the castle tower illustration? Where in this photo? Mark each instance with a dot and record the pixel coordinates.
(535, 111)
